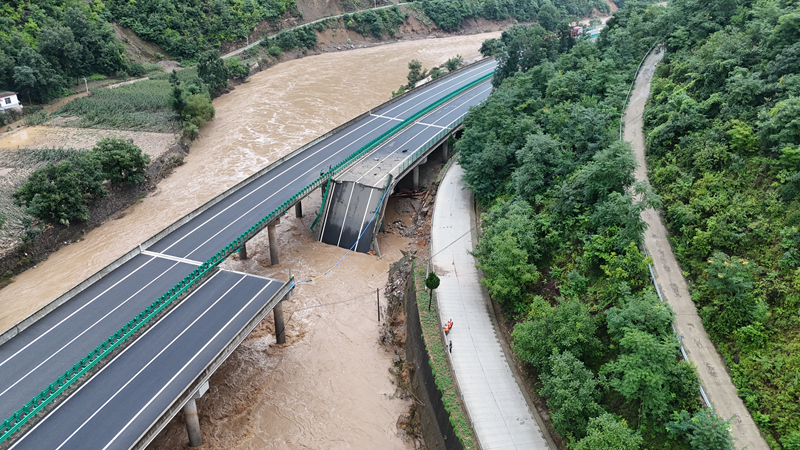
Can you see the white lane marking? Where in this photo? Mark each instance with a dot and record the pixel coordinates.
(367, 172)
(481, 71)
(87, 329)
(172, 258)
(183, 368)
(385, 117)
(363, 219)
(431, 125)
(74, 312)
(83, 385)
(346, 209)
(325, 219)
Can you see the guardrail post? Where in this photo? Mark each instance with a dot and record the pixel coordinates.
(280, 328)
(298, 209)
(192, 423)
(243, 252)
(273, 241)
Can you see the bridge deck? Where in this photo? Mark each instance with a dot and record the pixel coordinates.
(121, 402)
(37, 355)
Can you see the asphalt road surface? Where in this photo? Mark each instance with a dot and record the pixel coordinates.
(42, 352)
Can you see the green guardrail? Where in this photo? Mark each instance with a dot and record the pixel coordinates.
(62, 383)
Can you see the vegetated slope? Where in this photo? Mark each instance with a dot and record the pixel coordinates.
(561, 243)
(724, 152)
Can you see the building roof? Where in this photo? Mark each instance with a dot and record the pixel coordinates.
(7, 93)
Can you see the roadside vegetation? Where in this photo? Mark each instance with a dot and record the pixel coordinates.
(432, 334)
(723, 149)
(562, 236)
(61, 192)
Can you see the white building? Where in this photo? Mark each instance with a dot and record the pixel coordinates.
(9, 100)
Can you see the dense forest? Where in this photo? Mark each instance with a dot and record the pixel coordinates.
(47, 45)
(562, 233)
(723, 125)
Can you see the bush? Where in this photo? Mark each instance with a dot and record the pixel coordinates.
(59, 193)
(122, 162)
(198, 110)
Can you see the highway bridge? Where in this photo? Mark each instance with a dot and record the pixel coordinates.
(109, 363)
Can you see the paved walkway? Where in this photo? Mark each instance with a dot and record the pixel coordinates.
(702, 353)
(500, 415)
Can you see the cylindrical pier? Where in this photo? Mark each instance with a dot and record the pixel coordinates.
(273, 242)
(192, 423)
(280, 328)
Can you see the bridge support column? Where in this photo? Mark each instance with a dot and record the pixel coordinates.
(415, 177)
(445, 150)
(273, 242)
(298, 209)
(280, 328)
(192, 423)
(243, 252)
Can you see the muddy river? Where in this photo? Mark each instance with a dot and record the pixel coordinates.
(329, 386)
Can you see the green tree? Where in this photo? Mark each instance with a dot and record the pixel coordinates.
(643, 312)
(211, 69)
(121, 160)
(453, 63)
(703, 431)
(549, 17)
(607, 433)
(568, 326)
(645, 373)
(508, 271)
(415, 73)
(572, 395)
(198, 110)
(59, 193)
(431, 282)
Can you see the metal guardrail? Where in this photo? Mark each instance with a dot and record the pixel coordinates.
(62, 383)
(378, 140)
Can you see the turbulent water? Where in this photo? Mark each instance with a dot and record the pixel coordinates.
(329, 386)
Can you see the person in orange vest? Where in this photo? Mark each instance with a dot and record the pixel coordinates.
(448, 326)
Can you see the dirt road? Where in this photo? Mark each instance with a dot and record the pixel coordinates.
(701, 351)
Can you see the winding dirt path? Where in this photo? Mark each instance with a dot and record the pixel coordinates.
(713, 374)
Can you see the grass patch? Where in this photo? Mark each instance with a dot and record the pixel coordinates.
(438, 358)
(145, 105)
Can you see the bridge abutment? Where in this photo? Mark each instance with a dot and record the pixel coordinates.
(280, 328)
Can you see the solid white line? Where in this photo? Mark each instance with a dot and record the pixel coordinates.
(172, 258)
(431, 125)
(389, 118)
(86, 330)
(363, 219)
(80, 388)
(325, 219)
(183, 368)
(75, 312)
(344, 219)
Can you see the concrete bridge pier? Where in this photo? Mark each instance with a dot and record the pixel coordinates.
(243, 252)
(415, 178)
(273, 241)
(191, 418)
(445, 150)
(298, 209)
(280, 327)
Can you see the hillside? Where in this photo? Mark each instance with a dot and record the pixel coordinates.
(562, 228)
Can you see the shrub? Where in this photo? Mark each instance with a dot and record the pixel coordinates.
(122, 162)
(198, 110)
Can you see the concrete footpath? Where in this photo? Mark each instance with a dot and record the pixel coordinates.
(499, 412)
(701, 351)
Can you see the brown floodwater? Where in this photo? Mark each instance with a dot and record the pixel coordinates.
(329, 386)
